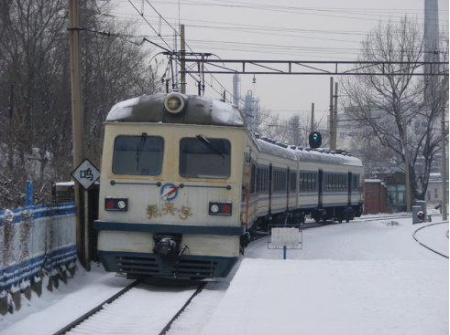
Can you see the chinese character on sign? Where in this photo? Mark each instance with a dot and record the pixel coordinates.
(86, 174)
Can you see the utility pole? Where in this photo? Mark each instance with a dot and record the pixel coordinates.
(296, 130)
(77, 130)
(444, 162)
(236, 97)
(407, 172)
(431, 54)
(332, 130)
(335, 117)
(312, 117)
(182, 60)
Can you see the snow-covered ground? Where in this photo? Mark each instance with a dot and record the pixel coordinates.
(356, 278)
(351, 278)
(54, 310)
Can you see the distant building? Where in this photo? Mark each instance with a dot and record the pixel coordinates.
(396, 188)
(252, 111)
(434, 191)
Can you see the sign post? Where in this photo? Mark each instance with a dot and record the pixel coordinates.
(285, 237)
(86, 174)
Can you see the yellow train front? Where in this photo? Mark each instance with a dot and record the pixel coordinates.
(170, 189)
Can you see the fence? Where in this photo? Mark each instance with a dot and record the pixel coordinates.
(35, 241)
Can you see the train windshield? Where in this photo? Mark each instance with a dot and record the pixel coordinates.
(138, 155)
(202, 157)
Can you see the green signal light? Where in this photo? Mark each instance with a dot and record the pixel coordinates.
(315, 140)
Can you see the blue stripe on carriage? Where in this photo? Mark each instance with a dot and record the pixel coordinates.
(168, 229)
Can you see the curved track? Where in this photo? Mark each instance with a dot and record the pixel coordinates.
(426, 246)
(131, 304)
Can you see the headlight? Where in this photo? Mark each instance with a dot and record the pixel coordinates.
(174, 103)
(214, 208)
(116, 204)
(220, 208)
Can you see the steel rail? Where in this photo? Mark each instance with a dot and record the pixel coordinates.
(424, 245)
(87, 315)
(169, 324)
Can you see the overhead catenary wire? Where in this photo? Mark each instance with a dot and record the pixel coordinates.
(148, 23)
(120, 36)
(293, 10)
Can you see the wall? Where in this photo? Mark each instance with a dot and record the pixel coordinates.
(35, 242)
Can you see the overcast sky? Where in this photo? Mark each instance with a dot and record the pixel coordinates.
(266, 29)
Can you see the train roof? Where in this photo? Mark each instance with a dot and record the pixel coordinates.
(326, 157)
(306, 154)
(275, 149)
(198, 110)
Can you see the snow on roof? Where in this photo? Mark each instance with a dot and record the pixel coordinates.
(122, 110)
(198, 110)
(275, 149)
(327, 157)
(373, 180)
(306, 154)
(65, 183)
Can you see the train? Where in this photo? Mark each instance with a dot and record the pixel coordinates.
(184, 183)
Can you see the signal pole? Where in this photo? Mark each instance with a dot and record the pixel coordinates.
(295, 130)
(332, 131)
(77, 129)
(182, 60)
(335, 118)
(312, 117)
(407, 171)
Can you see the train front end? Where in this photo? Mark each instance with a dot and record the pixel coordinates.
(170, 188)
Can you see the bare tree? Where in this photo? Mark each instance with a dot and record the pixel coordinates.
(284, 130)
(35, 119)
(391, 108)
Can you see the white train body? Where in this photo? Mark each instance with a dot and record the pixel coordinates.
(181, 188)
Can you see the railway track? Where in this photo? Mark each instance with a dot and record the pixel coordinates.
(261, 234)
(136, 309)
(97, 320)
(423, 244)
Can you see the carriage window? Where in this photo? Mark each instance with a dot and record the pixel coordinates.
(293, 181)
(138, 155)
(202, 157)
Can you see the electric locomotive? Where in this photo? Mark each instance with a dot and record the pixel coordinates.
(171, 186)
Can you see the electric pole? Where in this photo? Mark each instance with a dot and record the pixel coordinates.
(296, 130)
(407, 172)
(335, 117)
(444, 161)
(236, 81)
(77, 130)
(182, 60)
(312, 117)
(332, 130)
